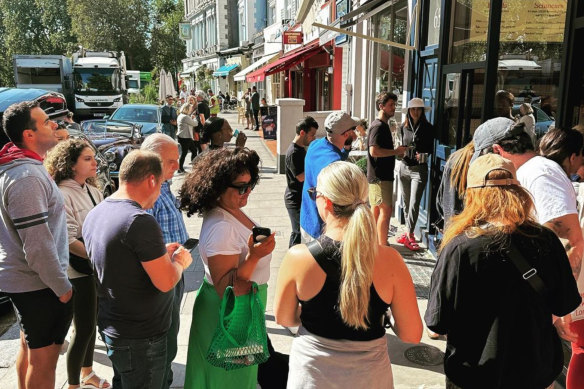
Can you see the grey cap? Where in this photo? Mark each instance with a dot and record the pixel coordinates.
(491, 132)
(338, 122)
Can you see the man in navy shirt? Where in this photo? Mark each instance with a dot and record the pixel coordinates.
(339, 127)
(305, 133)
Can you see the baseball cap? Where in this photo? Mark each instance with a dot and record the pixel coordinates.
(483, 165)
(493, 131)
(338, 122)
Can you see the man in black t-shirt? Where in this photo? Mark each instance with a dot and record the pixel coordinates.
(135, 273)
(380, 164)
(305, 133)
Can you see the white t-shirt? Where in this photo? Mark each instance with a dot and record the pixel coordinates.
(223, 234)
(552, 191)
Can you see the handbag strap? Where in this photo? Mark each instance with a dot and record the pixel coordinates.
(528, 272)
(90, 195)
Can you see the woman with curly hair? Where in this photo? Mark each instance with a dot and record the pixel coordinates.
(218, 189)
(72, 165)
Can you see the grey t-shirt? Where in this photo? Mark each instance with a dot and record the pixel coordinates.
(119, 236)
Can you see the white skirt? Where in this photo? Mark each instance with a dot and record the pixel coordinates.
(321, 363)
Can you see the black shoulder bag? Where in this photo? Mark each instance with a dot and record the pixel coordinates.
(528, 272)
(80, 264)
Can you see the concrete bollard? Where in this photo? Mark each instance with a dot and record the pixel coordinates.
(290, 112)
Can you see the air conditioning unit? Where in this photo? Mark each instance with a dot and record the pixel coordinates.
(243, 43)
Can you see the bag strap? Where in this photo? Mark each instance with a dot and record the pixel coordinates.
(315, 249)
(528, 272)
(90, 195)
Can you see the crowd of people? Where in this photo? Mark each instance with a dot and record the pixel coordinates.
(509, 261)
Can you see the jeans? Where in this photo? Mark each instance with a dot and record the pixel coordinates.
(169, 130)
(172, 334)
(137, 363)
(294, 214)
(413, 181)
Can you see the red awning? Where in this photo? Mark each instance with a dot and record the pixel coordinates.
(286, 62)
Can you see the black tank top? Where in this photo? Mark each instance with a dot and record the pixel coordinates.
(320, 315)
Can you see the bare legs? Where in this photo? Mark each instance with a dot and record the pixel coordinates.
(382, 214)
(36, 367)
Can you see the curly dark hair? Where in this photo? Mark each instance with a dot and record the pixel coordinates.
(211, 175)
(60, 160)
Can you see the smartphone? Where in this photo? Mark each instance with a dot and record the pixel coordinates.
(190, 244)
(235, 133)
(260, 233)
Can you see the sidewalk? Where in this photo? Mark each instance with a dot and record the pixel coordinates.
(266, 207)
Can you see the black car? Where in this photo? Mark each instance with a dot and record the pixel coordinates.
(114, 139)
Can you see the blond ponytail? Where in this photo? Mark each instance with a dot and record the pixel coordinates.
(346, 186)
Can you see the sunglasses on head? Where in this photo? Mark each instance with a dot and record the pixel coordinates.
(313, 193)
(242, 189)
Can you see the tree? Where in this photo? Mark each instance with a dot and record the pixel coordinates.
(119, 25)
(166, 48)
(32, 27)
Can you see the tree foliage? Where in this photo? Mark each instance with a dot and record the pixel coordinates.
(120, 25)
(167, 49)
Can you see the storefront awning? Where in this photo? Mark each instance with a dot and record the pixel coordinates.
(224, 70)
(286, 62)
(262, 61)
(187, 73)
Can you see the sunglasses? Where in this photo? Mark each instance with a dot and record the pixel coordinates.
(242, 189)
(313, 193)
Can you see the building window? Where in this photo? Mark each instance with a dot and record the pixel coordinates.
(470, 24)
(392, 25)
(434, 22)
(530, 55)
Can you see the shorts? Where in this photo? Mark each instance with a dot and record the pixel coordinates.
(381, 192)
(43, 319)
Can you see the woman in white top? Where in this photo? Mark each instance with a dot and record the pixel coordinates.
(226, 247)
(73, 166)
(186, 125)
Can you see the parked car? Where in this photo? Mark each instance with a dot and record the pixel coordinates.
(106, 184)
(53, 103)
(146, 115)
(543, 122)
(114, 139)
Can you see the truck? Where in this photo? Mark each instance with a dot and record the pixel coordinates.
(93, 82)
(99, 82)
(133, 81)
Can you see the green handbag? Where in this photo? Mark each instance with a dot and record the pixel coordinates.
(240, 339)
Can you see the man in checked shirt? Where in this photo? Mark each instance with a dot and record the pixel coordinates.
(166, 212)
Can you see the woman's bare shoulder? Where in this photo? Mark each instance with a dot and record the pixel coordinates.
(390, 260)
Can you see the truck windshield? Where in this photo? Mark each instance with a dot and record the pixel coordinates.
(96, 80)
(133, 84)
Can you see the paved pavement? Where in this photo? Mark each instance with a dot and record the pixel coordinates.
(266, 207)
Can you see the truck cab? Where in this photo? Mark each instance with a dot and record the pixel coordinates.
(133, 81)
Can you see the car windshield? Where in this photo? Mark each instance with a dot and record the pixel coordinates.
(136, 114)
(106, 127)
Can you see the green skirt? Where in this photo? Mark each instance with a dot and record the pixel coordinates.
(199, 373)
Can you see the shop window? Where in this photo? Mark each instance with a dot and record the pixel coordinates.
(392, 25)
(434, 22)
(530, 55)
(469, 31)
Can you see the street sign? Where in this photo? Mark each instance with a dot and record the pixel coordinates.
(184, 31)
(293, 37)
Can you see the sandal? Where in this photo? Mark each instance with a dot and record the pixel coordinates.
(85, 384)
(411, 244)
(402, 238)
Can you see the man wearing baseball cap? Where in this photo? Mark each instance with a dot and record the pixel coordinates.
(339, 127)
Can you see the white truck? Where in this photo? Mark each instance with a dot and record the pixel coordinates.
(133, 81)
(99, 82)
(49, 72)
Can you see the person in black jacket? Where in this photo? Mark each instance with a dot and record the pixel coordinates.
(417, 134)
(168, 117)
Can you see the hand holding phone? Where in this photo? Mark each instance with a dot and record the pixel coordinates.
(260, 233)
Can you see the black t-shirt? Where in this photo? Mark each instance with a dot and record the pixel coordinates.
(500, 331)
(381, 168)
(120, 236)
(294, 166)
(203, 108)
(421, 137)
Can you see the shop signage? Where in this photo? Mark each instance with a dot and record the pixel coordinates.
(293, 37)
(184, 30)
(522, 21)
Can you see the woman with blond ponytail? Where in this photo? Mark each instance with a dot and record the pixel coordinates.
(338, 289)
